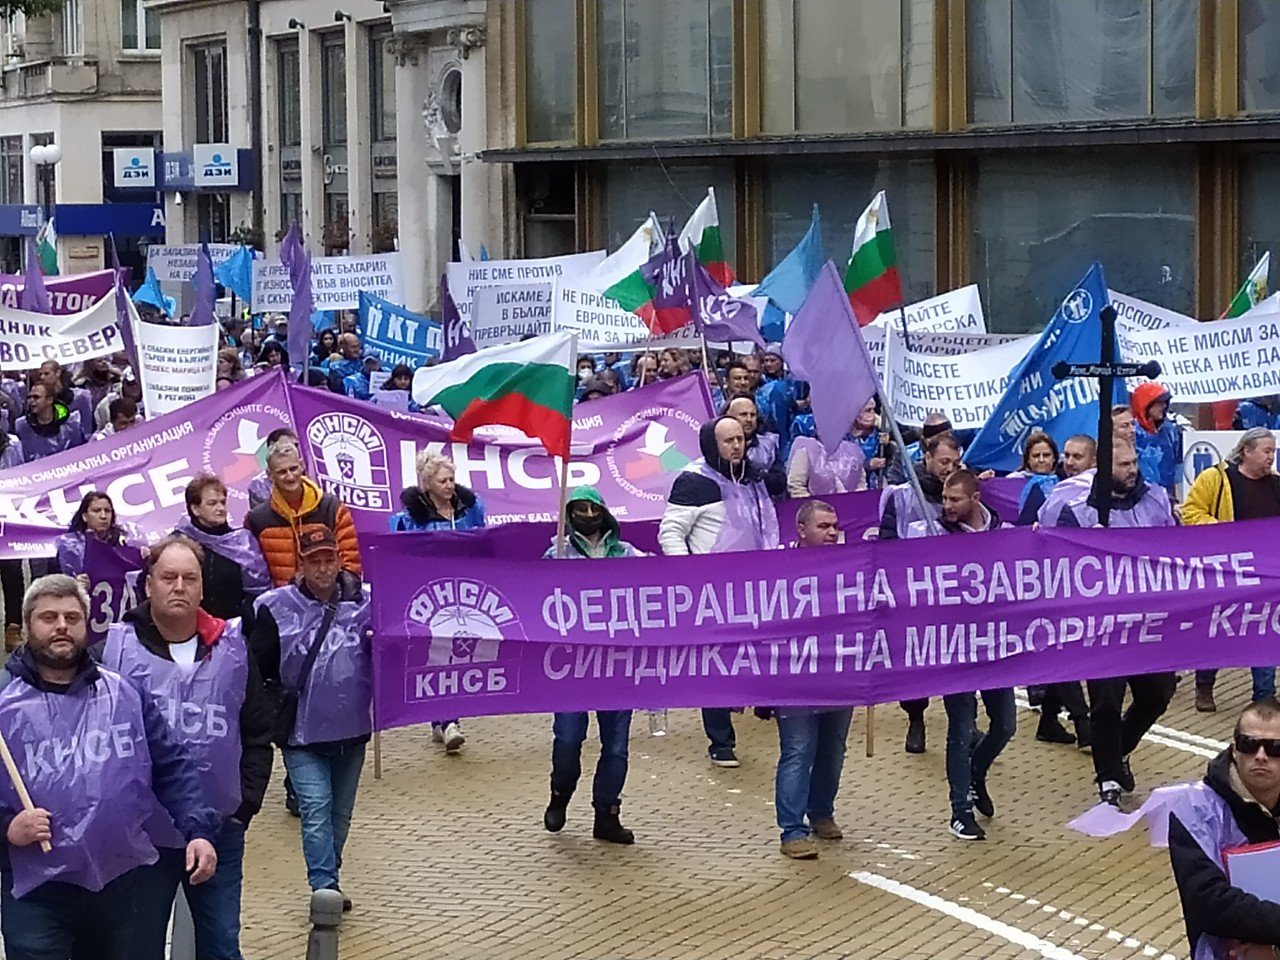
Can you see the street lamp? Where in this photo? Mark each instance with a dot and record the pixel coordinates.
(45, 156)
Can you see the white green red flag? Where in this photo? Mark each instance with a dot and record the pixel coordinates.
(702, 235)
(871, 279)
(1252, 292)
(527, 385)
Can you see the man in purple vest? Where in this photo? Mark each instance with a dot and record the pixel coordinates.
(58, 383)
(324, 749)
(197, 670)
(98, 759)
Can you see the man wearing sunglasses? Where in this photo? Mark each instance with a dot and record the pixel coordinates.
(1237, 803)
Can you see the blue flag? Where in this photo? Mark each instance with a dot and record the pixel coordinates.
(395, 334)
(151, 294)
(236, 273)
(790, 281)
(1035, 399)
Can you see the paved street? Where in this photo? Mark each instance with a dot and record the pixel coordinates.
(448, 857)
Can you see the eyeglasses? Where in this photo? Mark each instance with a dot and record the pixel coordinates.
(1248, 746)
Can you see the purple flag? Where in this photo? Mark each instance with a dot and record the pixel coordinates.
(824, 347)
(34, 297)
(295, 259)
(66, 294)
(108, 568)
(124, 308)
(457, 334)
(856, 624)
(720, 317)
(202, 315)
(666, 274)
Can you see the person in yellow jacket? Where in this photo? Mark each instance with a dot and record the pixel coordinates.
(1245, 486)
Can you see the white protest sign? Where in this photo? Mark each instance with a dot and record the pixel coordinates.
(336, 282)
(466, 278)
(956, 311)
(505, 314)
(179, 364)
(178, 264)
(29, 339)
(1222, 360)
(603, 325)
(1135, 314)
(967, 387)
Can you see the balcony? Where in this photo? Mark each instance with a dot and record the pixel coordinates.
(55, 77)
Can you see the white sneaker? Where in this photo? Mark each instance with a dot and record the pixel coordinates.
(453, 738)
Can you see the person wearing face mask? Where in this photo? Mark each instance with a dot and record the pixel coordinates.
(233, 568)
(49, 426)
(592, 534)
(719, 504)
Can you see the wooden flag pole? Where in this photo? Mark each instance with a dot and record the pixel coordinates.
(564, 498)
(871, 730)
(377, 754)
(16, 777)
(706, 365)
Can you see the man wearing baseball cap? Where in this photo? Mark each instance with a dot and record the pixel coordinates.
(311, 642)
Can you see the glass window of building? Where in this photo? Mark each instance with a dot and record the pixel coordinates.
(333, 88)
(1040, 220)
(337, 224)
(847, 66)
(213, 216)
(290, 85)
(209, 62)
(382, 74)
(548, 209)
(1047, 61)
(672, 191)
(550, 70)
(290, 211)
(1259, 207)
(72, 29)
(11, 164)
(139, 26)
(1259, 55)
(666, 68)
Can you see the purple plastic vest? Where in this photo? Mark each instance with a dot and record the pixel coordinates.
(839, 472)
(907, 505)
(240, 547)
(750, 520)
(12, 456)
(259, 490)
(36, 445)
(85, 759)
(1152, 510)
(201, 705)
(69, 549)
(336, 703)
(765, 451)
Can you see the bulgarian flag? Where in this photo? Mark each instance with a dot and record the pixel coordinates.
(654, 288)
(702, 235)
(47, 248)
(527, 385)
(618, 276)
(1252, 292)
(871, 278)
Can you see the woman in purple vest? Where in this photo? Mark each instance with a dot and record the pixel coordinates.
(95, 517)
(235, 573)
(49, 426)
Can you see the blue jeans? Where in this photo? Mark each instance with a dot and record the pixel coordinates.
(569, 732)
(57, 921)
(718, 724)
(968, 761)
(809, 766)
(1264, 681)
(215, 904)
(325, 776)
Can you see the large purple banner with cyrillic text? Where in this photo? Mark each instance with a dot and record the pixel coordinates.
(146, 469)
(861, 623)
(629, 446)
(67, 295)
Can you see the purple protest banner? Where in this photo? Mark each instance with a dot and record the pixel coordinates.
(145, 470)
(66, 294)
(629, 446)
(869, 622)
(110, 593)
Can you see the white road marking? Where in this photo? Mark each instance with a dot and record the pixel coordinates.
(997, 928)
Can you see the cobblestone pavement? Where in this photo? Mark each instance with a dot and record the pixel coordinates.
(448, 857)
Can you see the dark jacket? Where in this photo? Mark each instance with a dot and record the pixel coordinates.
(420, 513)
(257, 715)
(173, 777)
(224, 593)
(1210, 904)
(930, 485)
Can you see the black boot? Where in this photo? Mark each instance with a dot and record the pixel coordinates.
(609, 828)
(1051, 730)
(915, 735)
(554, 818)
(1084, 732)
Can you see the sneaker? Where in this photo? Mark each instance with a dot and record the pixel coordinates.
(915, 736)
(724, 757)
(1109, 792)
(1204, 700)
(980, 799)
(453, 738)
(437, 733)
(801, 848)
(964, 827)
(1127, 782)
(1084, 733)
(827, 829)
(556, 812)
(1051, 730)
(610, 829)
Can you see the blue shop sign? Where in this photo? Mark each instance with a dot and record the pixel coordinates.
(237, 173)
(20, 219)
(100, 219)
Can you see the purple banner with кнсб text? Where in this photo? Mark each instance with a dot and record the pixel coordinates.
(854, 624)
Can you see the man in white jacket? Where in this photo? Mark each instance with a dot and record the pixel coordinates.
(719, 504)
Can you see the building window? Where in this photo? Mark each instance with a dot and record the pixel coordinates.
(290, 211)
(333, 88)
(210, 65)
(139, 26)
(11, 164)
(337, 224)
(548, 209)
(847, 66)
(289, 78)
(1041, 219)
(386, 212)
(72, 29)
(1045, 61)
(1259, 56)
(666, 68)
(213, 216)
(1259, 207)
(844, 187)
(672, 191)
(382, 73)
(551, 64)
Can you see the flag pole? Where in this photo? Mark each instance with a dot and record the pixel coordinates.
(564, 499)
(20, 786)
(706, 364)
